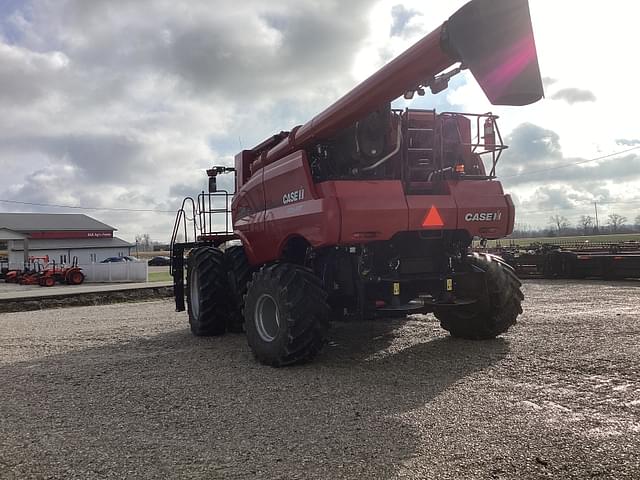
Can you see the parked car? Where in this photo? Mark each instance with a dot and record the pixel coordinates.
(126, 258)
(160, 262)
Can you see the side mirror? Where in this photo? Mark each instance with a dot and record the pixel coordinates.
(213, 186)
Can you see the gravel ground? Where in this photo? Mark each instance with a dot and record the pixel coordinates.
(15, 287)
(124, 391)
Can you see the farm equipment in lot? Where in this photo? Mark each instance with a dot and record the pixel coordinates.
(367, 210)
(63, 274)
(46, 275)
(574, 260)
(29, 274)
(31, 277)
(11, 276)
(73, 275)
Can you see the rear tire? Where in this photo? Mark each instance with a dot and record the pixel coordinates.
(286, 315)
(239, 275)
(491, 316)
(207, 292)
(75, 277)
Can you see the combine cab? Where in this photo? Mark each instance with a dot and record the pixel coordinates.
(365, 210)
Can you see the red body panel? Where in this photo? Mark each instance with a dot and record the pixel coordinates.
(248, 209)
(369, 210)
(420, 205)
(293, 209)
(281, 202)
(478, 197)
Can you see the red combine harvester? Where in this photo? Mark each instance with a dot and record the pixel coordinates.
(366, 210)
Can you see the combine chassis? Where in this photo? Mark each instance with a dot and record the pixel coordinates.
(366, 210)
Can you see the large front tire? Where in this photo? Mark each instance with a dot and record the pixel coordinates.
(207, 292)
(286, 315)
(493, 315)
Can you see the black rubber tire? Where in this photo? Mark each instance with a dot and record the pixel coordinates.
(491, 316)
(301, 305)
(74, 278)
(238, 274)
(207, 277)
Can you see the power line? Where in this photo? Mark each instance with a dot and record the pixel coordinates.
(113, 209)
(632, 202)
(76, 207)
(580, 207)
(567, 165)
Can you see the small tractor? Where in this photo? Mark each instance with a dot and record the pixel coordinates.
(367, 210)
(29, 274)
(63, 274)
(41, 271)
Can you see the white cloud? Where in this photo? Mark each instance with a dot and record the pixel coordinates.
(126, 103)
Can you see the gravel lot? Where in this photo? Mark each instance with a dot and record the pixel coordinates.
(124, 391)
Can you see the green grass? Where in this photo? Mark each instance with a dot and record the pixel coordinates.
(148, 255)
(614, 238)
(159, 277)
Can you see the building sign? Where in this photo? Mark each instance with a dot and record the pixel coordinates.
(70, 234)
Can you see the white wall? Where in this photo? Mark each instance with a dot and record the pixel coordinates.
(16, 258)
(83, 254)
(115, 272)
(120, 272)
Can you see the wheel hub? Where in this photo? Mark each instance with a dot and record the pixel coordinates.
(194, 293)
(267, 318)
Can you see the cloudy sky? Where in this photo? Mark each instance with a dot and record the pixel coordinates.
(114, 104)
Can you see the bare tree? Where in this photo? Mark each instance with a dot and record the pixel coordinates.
(144, 242)
(560, 222)
(586, 223)
(616, 222)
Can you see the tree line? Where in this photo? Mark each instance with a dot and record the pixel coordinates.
(559, 225)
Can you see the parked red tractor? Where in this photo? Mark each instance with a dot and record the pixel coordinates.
(41, 271)
(29, 274)
(63, 274)
(367, 210)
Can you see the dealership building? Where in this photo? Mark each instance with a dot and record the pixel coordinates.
(61, 237)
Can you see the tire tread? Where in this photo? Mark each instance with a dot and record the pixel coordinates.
(496, 315)
(302, 302)
(213, 292)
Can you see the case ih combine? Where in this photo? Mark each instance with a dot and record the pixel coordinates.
(366, 210)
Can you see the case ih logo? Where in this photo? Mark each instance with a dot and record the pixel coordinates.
(291, 197)
(483, 217)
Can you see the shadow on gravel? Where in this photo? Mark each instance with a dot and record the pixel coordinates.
(174, 405)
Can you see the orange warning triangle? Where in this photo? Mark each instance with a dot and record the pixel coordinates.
(433, 218)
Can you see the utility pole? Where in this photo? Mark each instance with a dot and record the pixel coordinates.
(595, 204)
